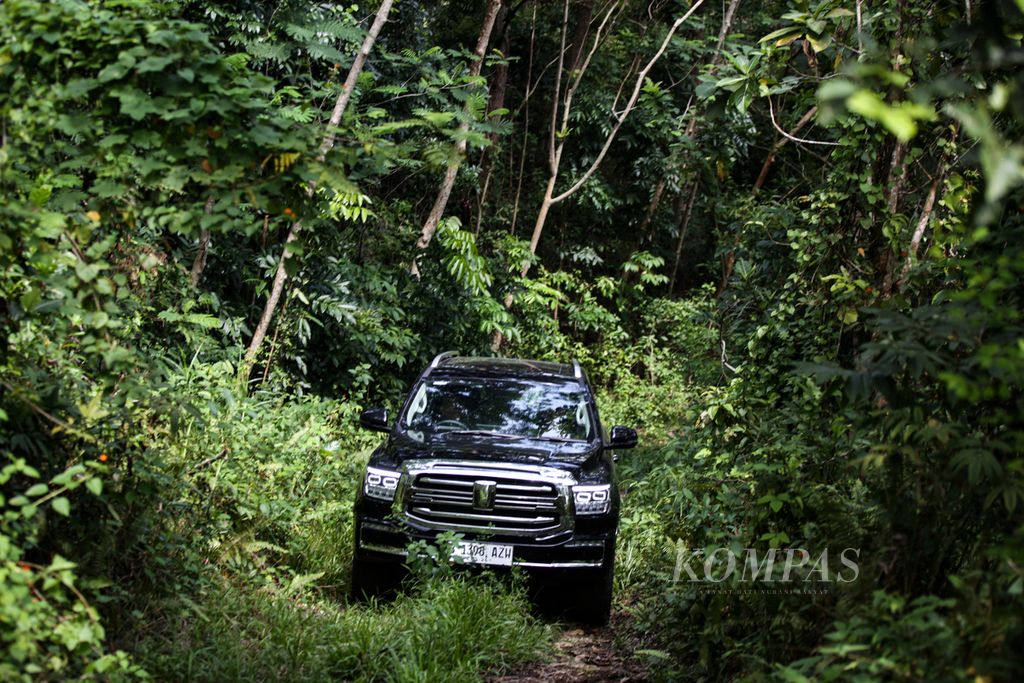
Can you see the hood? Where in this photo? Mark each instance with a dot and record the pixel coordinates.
(565, 454)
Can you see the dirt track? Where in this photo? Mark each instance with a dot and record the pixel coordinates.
(585, 655)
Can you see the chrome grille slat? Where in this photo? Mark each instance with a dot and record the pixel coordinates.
(446, 482)
(483, 516)
(527, 500)
(420, 497)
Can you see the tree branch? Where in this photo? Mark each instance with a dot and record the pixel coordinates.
(641, 77)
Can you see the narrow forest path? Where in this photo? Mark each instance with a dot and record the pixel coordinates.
(586, 654)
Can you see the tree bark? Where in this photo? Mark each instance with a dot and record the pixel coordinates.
(724, 30)
(526, 124)
(353, 74)
(199, 265)
(498, 85)
(922, 225)
(441, 202)
(684, 225)
(339, 109)
(896, 179)
(579, 37)
(652, 208)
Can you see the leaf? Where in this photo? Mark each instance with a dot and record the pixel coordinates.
(37, 490)
(301, 581)
(113, 72)
(784, 35)
(899, 119)
(154, 63)
(706, 89)
(819, 42)
(86, 272)
(95, 486)
(135, 103)
(40, 195)
(836, 89)
(61, 506)
(730, 81)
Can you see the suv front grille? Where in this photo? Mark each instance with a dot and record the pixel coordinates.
(521, 501)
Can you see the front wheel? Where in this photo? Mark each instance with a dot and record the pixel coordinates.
(592, 594)
(374, 579)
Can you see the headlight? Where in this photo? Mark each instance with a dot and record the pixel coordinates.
(592, 500)
(380, 484)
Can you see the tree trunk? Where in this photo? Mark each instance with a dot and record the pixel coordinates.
(353, 74)
(684, 225)
(526, 123)
(434, 217)
(339, 109)
(199, 265)
(723, 31)
(652, 208)
(896, 179)
(922, 225)
(542, 216)
(579, 37)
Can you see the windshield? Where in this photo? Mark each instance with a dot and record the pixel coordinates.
(503, 408)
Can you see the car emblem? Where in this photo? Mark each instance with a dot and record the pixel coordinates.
(483, 494)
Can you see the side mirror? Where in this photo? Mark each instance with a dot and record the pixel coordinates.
(622, 437)
(375, 419)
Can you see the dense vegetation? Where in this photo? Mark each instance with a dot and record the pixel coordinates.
(786, 240)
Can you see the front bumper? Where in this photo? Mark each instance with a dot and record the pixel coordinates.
(386, 539)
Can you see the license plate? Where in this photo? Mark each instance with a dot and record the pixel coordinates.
(484, 553)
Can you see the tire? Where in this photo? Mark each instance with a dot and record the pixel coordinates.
(592, 595)
(580, 595)
(372, 579)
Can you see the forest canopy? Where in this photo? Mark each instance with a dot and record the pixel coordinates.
(785, 239)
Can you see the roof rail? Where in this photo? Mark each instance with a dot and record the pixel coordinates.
(577, 370)
(440, 357)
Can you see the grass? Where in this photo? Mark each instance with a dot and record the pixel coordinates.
(451, 629)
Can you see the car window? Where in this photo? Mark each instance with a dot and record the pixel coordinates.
(543, 410)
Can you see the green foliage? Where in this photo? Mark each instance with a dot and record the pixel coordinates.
(888, 639)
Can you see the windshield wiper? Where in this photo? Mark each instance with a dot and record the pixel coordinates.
(504, 435)
(553, 438)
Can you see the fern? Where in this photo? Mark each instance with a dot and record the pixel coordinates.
(462, 260)
(351, 206)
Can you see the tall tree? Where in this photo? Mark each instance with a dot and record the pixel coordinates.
(441, 202)
(685, 206)
(557, 132)
(557, 137)
(328, 142)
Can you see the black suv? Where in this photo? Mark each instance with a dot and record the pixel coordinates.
(511, 455)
